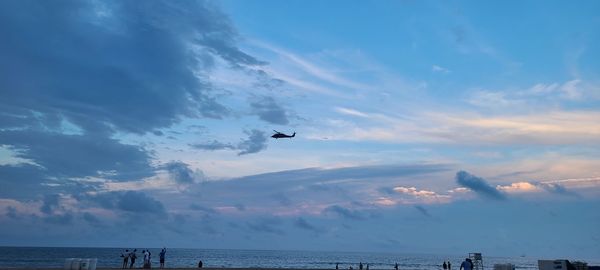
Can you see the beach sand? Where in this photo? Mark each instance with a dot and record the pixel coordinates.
(204, 268)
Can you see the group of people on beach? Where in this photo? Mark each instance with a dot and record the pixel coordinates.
(361, 266)
(129, 258)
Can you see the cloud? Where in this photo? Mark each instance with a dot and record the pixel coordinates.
(11, 212)
(415, 192)
(344, 212)
(478, 185)
(269, 111)
(301, 223)
(139, 202)
(99, 71)
(256, 142)
(64, 155)
(436, 68)
(213, 146)
(198, 207)
(50, 203)
(543, 126)
(149, 54)
(518, 187)
(559, 189)
(422, 210)
(132, 202)
(91, 218)
(61, 219)
(181, 172)
(266, 225)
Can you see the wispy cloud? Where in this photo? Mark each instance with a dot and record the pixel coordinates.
(436, 68)
(551, 128)
(256, 142)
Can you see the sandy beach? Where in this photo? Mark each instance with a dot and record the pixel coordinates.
(36, 268)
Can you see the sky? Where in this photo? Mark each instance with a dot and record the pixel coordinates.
(442, 127)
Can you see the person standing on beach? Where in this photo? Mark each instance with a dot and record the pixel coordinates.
(449, 266)
(396, 266)
(360, 266)
(162, 257)
(444, 265)
(466, 265)
(367, 266)
(337, 266)
(132, 258)
(146, 259)
(125, 256)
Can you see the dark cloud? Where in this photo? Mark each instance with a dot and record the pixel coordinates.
(139, 202)
(134, 202)
(213, 146)
(61, 159)
(113, 64)
(91, 219)
(344, 212)
(282, 199)
(305, 225)
(321, 176)
(256, 142)
(558, 189)
(24, 181)
(268, 110)
(240, 207)
(266, 225)
(181, 172)
(61, 219)
(207, 210)
(62, 155)
(422, 210)
(11, 212)
(75, 73)
(50, 203)
(291, 187)
(478, 185)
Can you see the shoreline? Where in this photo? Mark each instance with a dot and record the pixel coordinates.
(167, 268)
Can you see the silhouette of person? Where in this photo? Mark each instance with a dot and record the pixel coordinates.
(445, 266)
(125, 256)
(337, 266)
(449, 266)
(162, 257)
(132, 258)
(200, 264)
(466, 265)
(360, 266)
(396, 266)
(367, 266)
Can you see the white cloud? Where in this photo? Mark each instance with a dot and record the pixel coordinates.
(545, 128)
(436, 68)
(351, 112)
(518, 187)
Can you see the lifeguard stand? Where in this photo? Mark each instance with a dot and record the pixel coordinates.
(477, 261)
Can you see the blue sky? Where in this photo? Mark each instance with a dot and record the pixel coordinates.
(473, 122)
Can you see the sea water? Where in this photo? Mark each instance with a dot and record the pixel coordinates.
(53, 257)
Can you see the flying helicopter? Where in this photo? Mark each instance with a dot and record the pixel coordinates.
(278, 135)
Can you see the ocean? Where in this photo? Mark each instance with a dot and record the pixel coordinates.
(32, 257)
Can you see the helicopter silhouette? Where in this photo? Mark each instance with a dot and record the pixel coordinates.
(278, 135)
